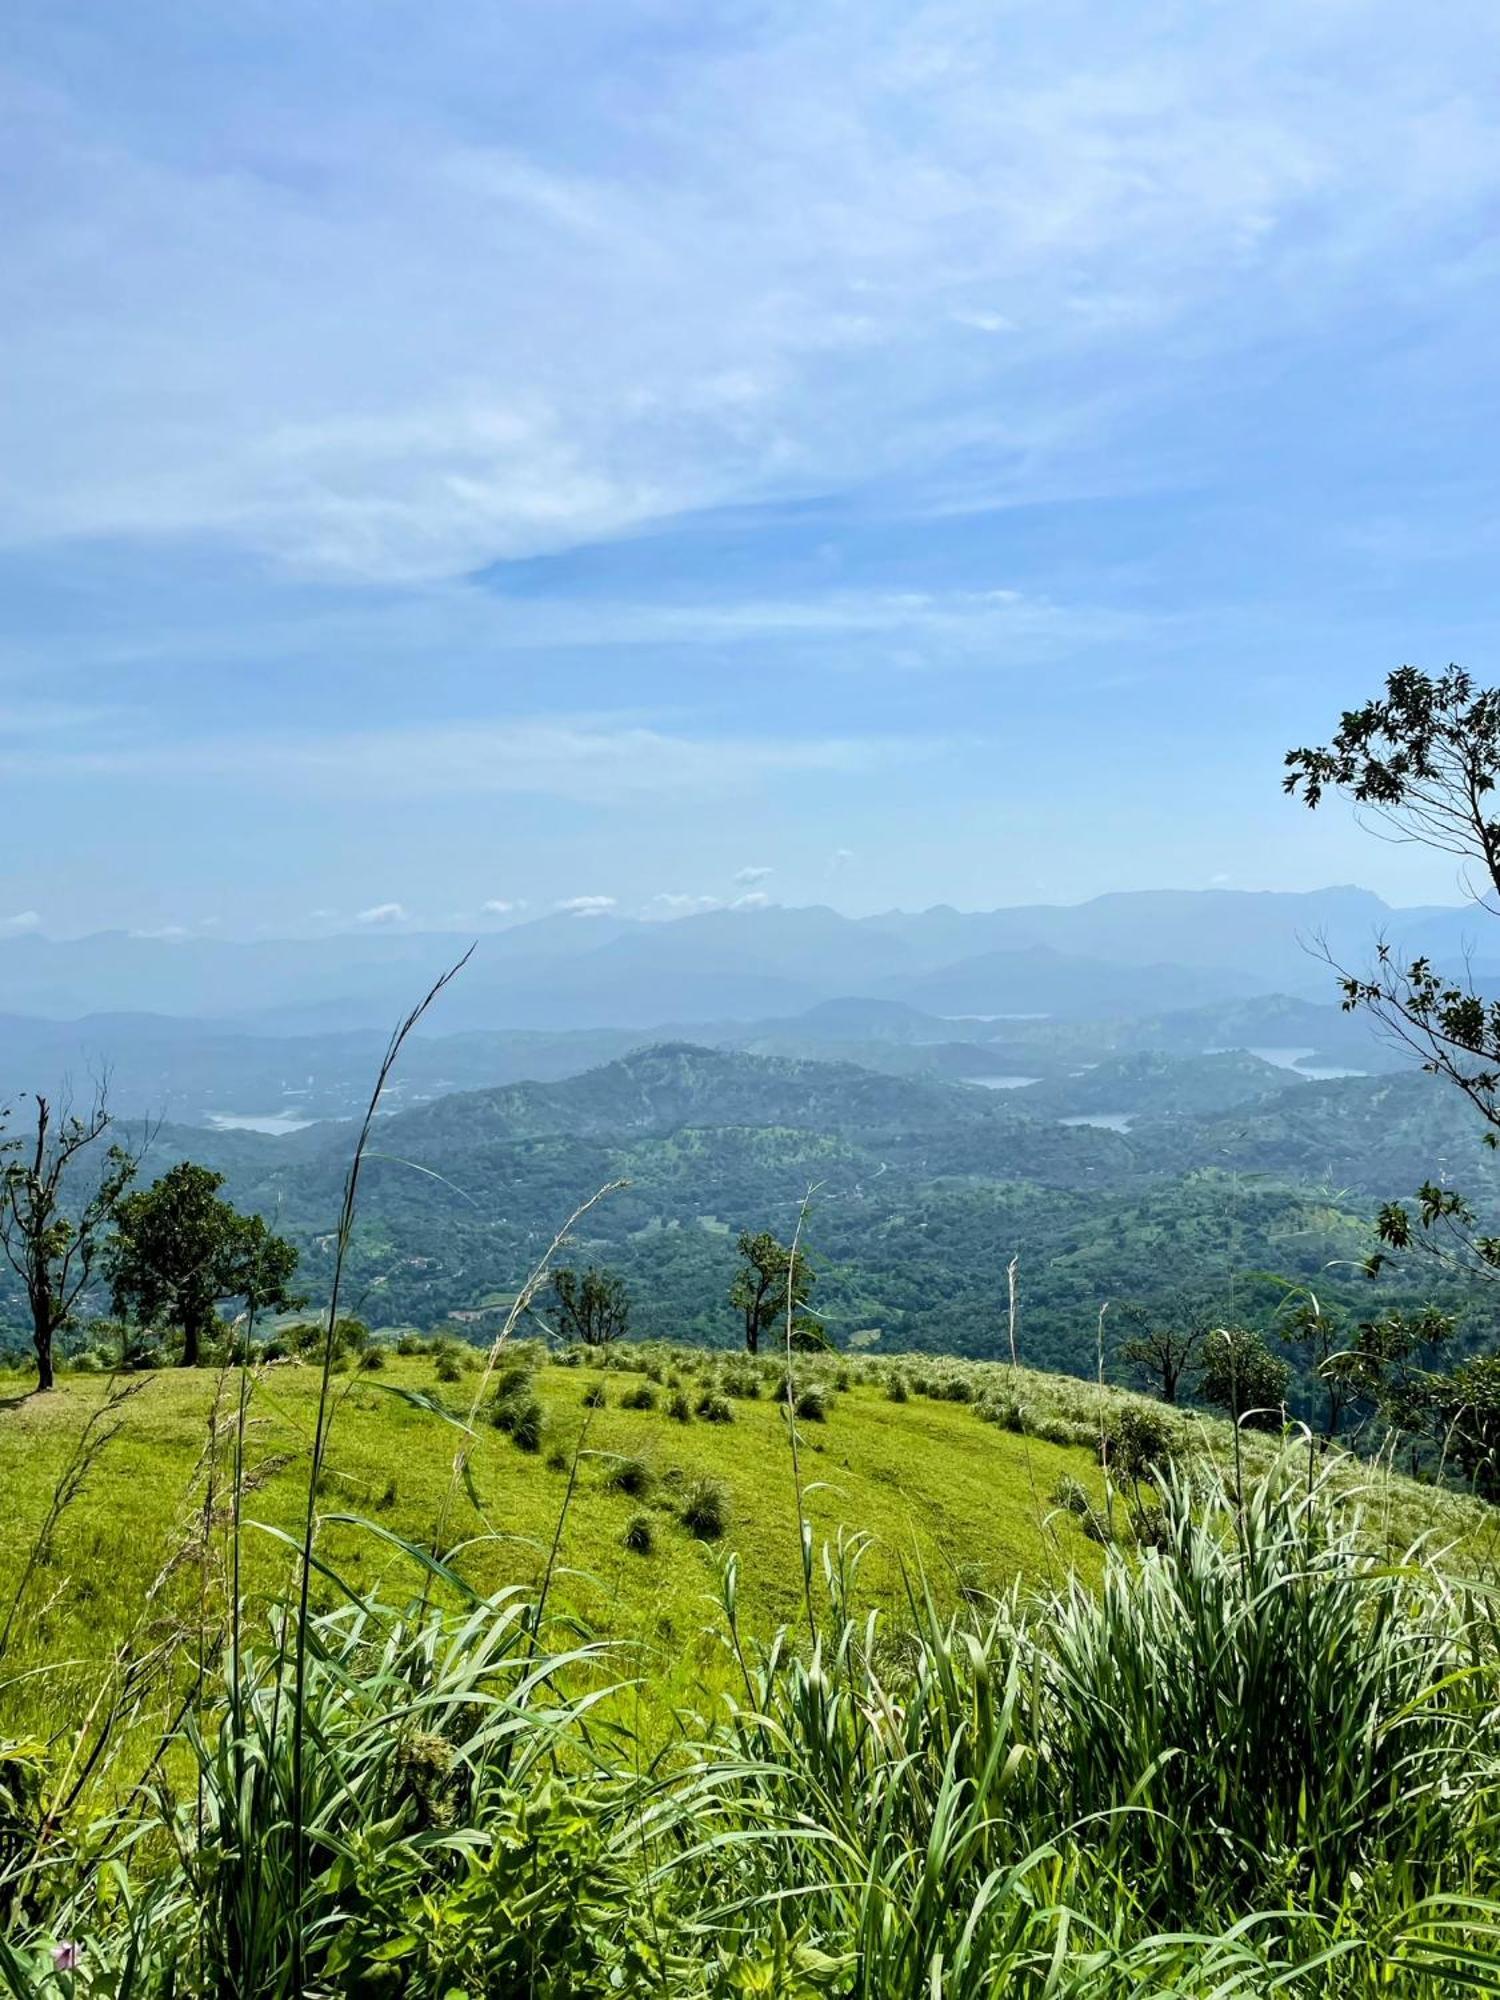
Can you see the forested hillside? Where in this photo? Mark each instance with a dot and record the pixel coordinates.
(1233, 1179)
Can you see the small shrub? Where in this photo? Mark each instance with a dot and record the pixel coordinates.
(640, 1535)
(679, 1409)
(896, 1390)
(841, 1380)
(449, 1368)
(740, 1383)
(1058, 1430)
(519, 1414)
(705, 1509)
(973, 1584)
(1137, 1442)
(629, 1475)
(512, 1378)
(557, 1459)
(531, 1422)
(715, 1409)
(372, 1359)
(812, 1405)
(1151, 1528)
(958, 1389)
(641, 1397)
(1071, 1495)
(594, 1397)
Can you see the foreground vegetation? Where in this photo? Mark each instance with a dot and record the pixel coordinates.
(1256, 1754)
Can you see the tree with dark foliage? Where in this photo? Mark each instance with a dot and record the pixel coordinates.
(1164, 1347)
(51, 1242)
(1423, 760)
(592, 1306)
(180, 1253)
(1243, 1378)
(770, 1282)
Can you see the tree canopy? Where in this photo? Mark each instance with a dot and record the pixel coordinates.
(770, 1283)
(180, 1253)
(592, 1306)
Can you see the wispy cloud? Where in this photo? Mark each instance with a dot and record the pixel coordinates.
(748, 877)
(502, 906)
(383, 913)
(586, 906)
(23, 920)
(315, 345)
(589, 761)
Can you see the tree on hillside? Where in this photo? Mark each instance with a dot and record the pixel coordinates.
(1464, 1409)
(51, 1241)
(1243, 1378)
(1423, 760)
(761, 1288)
(1163, 1348)
(592, 1306)
(180, 1253)
(1328, 1348)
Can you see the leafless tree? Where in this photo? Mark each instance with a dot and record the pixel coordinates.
(51, 1240)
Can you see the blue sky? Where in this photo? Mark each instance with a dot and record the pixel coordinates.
(506, 453)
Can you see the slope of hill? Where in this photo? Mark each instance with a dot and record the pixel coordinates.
(1377, 1136)
(1158, 1084)
(975, 1517)
(1036, 979)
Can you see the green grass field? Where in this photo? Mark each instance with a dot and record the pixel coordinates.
(937, 1492)
(1276, 1708)
(933, 1492)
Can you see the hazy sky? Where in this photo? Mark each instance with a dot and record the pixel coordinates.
(511, 452)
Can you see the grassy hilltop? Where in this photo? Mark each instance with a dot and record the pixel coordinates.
(557, 1727)
(944, 1498)
(939, 1493)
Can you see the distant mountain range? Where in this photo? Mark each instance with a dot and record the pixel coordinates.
(1118, 956)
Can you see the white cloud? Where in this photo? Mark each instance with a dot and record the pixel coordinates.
(164, 933)
(23, 920)
(383, 913)
(756, 900)
(748, 877)
(586, 906)
(840, 858)
(501, 906)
